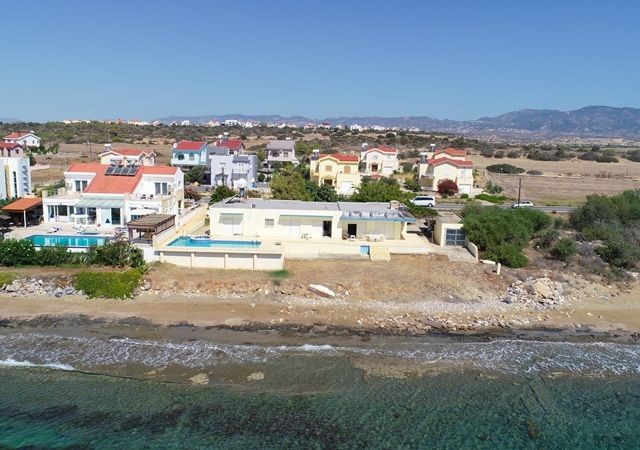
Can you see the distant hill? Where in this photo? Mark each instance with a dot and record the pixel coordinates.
(8, 120)
(526, 124)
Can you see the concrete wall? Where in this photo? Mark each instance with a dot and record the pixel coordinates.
(212, 259)
(473, 249)
(440, 231)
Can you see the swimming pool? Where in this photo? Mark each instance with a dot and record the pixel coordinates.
(188, 241)
(47, 240)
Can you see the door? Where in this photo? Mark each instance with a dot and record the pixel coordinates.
(352, 229)
(326, 228)
(455, 237)
(230, 226)
(294, 227)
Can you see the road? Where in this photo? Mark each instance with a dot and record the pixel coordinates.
(548, 209)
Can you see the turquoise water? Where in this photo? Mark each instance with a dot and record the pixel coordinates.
(502, 395)
(45, 240)
(187, 241)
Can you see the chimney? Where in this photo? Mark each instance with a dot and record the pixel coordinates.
(423, 157)
(394, 204)
(365, 146)
(315, 154)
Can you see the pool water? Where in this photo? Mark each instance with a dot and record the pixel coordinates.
(45, 240)
(188, 241)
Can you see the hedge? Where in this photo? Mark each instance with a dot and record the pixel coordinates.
(118, 285)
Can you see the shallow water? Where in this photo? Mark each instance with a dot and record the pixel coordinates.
(413, 394)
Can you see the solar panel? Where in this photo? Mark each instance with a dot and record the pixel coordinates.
(109, 170)
(126, 171)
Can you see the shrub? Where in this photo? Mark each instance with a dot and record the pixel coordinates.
(619, 253)
(538, 155)
(547, 238)
(487, 152)
(507, 254)
(597, 157)
(447, 187)
(499, 154)
(6, 278)
(280, 274)
(513, 154)
(633, 155)
(504, 168)
(534, 172)
(17, 252)
(407, 167)
(220, 193)
(192, 193)
(464, 195)
(53, 256)
(412, 184)
(108, 284)
(493, 188)
(564, 250)
(497, 199)
(116, 254)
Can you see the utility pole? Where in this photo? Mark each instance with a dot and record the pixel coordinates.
(519, 189)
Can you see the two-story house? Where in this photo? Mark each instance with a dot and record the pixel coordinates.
(15, 171)
(234, 171)
(127, 156)
(281, 151)
(233, 146)
(379, 161)
(449, 163)
(23, 138)
(189, 154)
(339, 170)
(109, 195)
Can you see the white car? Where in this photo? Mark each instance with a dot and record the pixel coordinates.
(523, 204)
(424, 200)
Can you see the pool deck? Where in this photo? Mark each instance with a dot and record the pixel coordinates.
(65, 230)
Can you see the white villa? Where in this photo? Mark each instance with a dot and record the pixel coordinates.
(15, 171)
(450, 163)
(127, 156)
(283, 151)
(23, 138)
(109, 195)
(379, 161)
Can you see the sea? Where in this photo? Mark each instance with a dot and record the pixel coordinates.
(83, 389)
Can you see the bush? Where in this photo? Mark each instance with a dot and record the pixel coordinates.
(508, 254)
(108, 284)
(597, 157)
(6, 278)
(499, 154)
(547, 238)
(633, 155)
(504, 168)
(513, 154)
(116, 254)
(564, 250)
(464, 195)
(492, 188)
(619, 253)
(534, 172)
(194, 175)
(487, 152)
(497, 199)
(412, 184)
(407, 167)
(447, 187)
(538, 155)
(192, 193)
(17, 252)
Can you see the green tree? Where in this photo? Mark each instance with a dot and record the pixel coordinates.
(383, 190)
(289, 184)
(194, 175)
(220, 193)
(323, 193)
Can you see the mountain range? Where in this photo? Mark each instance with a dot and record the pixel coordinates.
(527, 124)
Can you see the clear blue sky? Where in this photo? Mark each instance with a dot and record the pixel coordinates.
(445, 59)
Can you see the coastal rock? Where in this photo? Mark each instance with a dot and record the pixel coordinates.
(542, 288)
(256, 376)
(201, 378)
(321, 290)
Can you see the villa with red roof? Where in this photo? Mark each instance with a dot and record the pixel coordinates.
(127, 156)
(189, 154)
(108, 195)
(448, 163)
(339, 170)
(379, 161)
(232, 146)
(23, 138)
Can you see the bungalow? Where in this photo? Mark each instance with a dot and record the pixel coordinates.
(189, 154)
(15, 171)
(449, 164)
(282, 151)
(112, 195)
(380, 160)
(127, 156)
(23, 138)
(339, 170)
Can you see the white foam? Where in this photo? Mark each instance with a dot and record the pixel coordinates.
(13, 363)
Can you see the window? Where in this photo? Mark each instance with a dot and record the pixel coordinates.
(162, 188)
(268, 223)
(347, 169)
(15, 184)
(328, 168)
(115, 216)
(286, 154)
(81, 185)
(192, 157)
(180, 157)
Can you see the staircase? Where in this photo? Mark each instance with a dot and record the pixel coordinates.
(379, 253)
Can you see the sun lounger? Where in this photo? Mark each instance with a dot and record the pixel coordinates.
(52, 230)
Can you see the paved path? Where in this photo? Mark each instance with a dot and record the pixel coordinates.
(460, 207)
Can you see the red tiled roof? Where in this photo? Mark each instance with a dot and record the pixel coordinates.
(232, 144)
(190, 145)
(23, 204)
(340, 157)
(17, 134)
(451, 151)
(115, 184)
(454, 162)
(9, 145)
(385, 149)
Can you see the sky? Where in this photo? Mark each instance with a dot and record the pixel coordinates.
(456, 59)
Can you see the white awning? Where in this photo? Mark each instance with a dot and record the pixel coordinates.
(142, 212)
(100, 203)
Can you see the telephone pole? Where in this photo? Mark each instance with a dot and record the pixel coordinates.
(519, 189)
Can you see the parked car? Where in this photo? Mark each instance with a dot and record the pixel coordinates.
(523, 204)
(424, 200)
